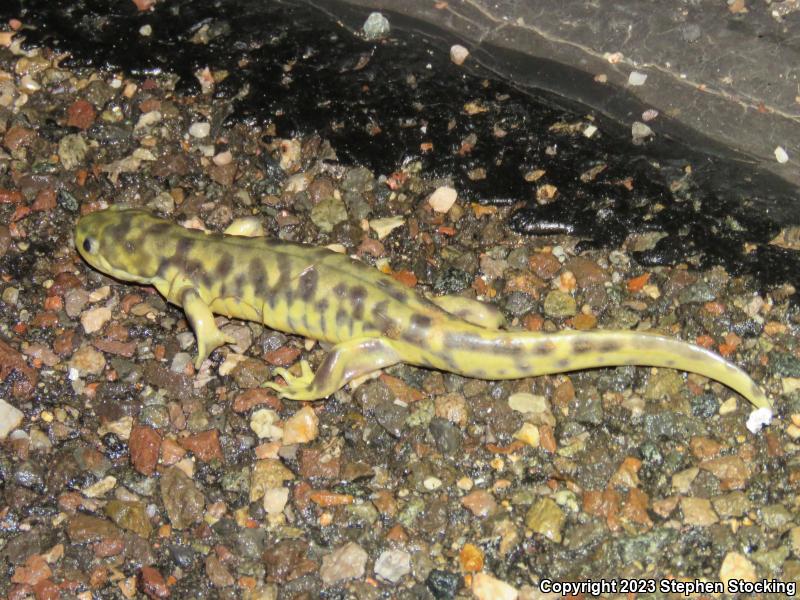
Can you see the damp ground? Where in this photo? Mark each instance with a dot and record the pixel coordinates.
(127, 472)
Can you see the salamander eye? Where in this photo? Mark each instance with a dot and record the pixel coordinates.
(89, 245)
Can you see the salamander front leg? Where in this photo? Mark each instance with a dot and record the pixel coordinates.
(345, 362)
(208, 335)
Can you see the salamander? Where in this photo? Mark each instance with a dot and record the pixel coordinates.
(371, 320)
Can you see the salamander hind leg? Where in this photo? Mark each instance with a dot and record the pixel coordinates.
(344, 362)
(208, 335)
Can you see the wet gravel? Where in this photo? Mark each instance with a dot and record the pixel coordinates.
(125, 472)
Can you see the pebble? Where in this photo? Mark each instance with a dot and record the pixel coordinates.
(223, 158)
(329, 213)
(585, 271)
(100, 293)
(734, 504)
(11, 295)
(200, 129)
(148, 119)
(41, 352)
(698, 512)
(559, 305)
(546, 518)
(229, 365)
(180, 362)
(275, 500)
(95, 318)
(453, 408)
(81, 114)
(144, 446)
(471, 558)
(267, 474)
(480, 503)
(83, 528)
(376, 26)
(383, 227)
(525, 402)
(736, 566)
(682, 480)
(185, 339)
(29, 84)
(88, 361)
(130, 515)
(153, 583)
(458, 54)
(432, 483)
(301, 427)
(204, 445)
(640, 131)
(486, 587)
(794, 539)
(250, 373)
(182, 499)
(254, 397)
(5, 240)
(347, 562)
(72, 151)
(442, 199)
(299, 182)
(529, 434)
(10, 418)
(262, 422)
(636, 78)
(776, 516)
(100, 488)
(34, 571)
(393, 565)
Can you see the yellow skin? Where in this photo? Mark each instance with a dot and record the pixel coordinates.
(372, 320)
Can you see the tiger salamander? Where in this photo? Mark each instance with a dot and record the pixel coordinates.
(371, 320)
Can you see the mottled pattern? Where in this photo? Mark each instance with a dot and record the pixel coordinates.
(373, 320)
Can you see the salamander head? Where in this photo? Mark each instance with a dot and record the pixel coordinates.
(122, 242)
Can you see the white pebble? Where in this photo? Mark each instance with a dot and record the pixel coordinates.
(200, 129)
(262, 422)
(780, 155)
(761, 417)
(146, 30)
(649, 114)
(383, 227)
(223, 158)
(29, 84)
(376, 26)
(275, 500)
(442, 199)
(636, 78)
(432, 483)
(458, 54)
(94, 319)
(393, 565)
(148, 118)
(10, 418)
(640, 131)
